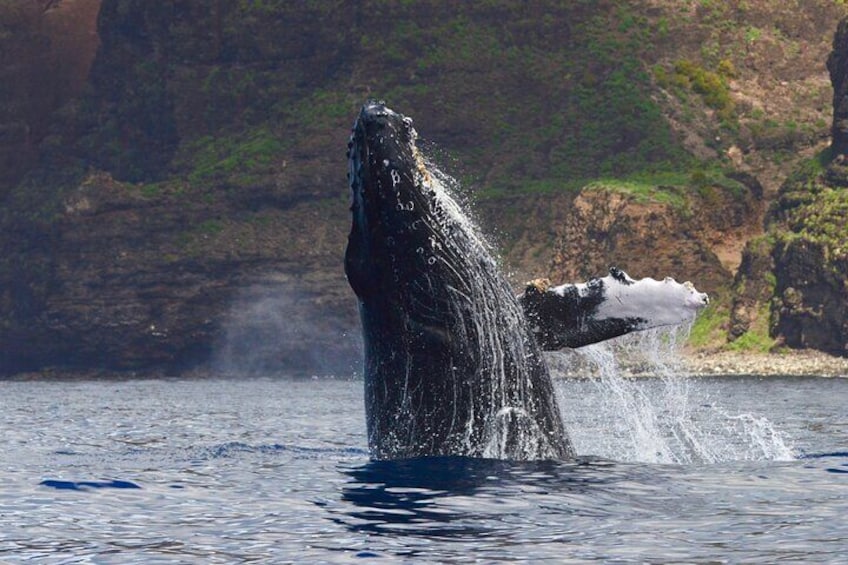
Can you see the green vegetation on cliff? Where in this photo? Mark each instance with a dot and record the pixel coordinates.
(207, 144)
(795, 276)
(823, 221)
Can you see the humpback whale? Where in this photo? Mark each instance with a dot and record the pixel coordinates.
(453, 358)
(451, 365)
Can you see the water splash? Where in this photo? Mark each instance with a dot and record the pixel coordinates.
(485, 302)
(667, 418)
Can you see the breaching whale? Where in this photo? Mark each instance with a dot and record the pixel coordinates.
(453, 363)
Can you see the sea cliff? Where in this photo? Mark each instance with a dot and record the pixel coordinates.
(178, 201)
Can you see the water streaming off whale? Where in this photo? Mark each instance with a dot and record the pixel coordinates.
(487, 305)
(662, 415)
(667, 420)
(510, 430)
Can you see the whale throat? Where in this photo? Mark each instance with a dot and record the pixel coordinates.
(451, 364)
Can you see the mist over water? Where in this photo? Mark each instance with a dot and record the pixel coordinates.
(279, 326)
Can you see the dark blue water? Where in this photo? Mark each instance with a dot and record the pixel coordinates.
(275, 470)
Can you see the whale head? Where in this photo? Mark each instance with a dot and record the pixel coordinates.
(409, 240)
(388, 203)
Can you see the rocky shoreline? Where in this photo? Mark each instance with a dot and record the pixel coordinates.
(638, 362)
(794, 363)
(694, 363)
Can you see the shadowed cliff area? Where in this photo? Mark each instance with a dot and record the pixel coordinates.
(178, 198)
(46, 50)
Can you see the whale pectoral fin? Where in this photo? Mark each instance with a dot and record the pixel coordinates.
(566, 316)
(574, 315)
(551, 316)
(596, 331)
(568, 320)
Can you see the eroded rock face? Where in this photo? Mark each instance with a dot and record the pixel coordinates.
(127, 280)
(129, 122)
(753, 288)
(811, 304)
(606, 228)
(46, 49)
(808, 234)
(797, 274)
(837, 66)
(230, 256)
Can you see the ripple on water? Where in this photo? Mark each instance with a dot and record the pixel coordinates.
(276, 471)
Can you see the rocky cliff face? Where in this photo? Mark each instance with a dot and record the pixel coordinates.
(837, 66)
(158, 234)
(810, 296)
(798, 273)
(811, 259)
(46, 50)
(648, 238)
(127, 280)
(189, 205)
(128, 123)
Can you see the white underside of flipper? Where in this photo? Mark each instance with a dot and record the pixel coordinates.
(574, 315)
(658, 303)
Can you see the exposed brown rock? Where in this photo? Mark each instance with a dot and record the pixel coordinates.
(605, 228)
(46, 50)
(811, 299)
(753, 287)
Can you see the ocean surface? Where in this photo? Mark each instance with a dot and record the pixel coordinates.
(275, 470)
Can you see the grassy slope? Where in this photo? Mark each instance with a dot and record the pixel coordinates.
(533, 100)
